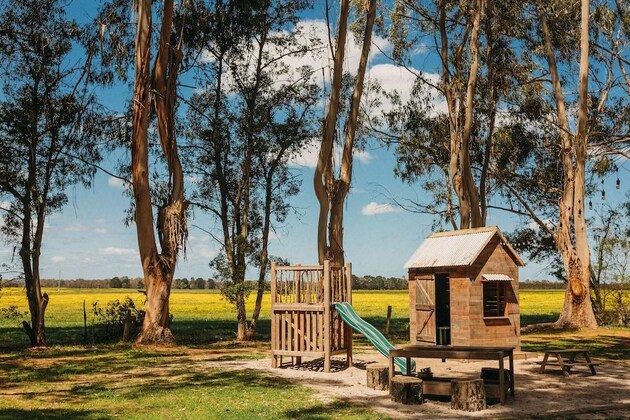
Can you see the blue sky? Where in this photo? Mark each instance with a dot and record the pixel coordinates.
(88, 239)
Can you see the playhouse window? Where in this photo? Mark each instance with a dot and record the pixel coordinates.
(494, 298)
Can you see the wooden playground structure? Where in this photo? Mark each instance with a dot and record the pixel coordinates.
(304, 322)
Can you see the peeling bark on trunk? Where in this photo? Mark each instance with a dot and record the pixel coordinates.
(577, 310)
(158, 268)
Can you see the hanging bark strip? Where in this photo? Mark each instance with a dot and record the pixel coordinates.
(158, 268)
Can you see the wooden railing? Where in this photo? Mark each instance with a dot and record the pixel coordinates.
(304, 322)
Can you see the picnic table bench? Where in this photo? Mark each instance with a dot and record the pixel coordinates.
(567, 359)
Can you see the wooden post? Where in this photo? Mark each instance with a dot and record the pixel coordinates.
(85, 331)
(274, 321)
(127, 327)
(349, 283)
(389, 319)
(327, 318)
(501, 379)
(298, 286)
(348, 328)
(468, 395)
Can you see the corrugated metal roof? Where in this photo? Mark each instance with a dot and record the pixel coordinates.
(441, 250)
(456, 248)
(496, 277)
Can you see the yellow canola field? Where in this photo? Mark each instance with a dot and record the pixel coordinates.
(66, 305)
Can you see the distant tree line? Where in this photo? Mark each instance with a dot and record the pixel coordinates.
(367, 282)
(541, 285)
(378, 283)
(122, 282)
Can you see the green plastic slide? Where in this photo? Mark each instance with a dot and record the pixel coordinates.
(347, 313)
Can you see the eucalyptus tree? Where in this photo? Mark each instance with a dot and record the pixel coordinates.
(567, 128)
(253, 113)
(50, 122)
(331, 189)
(155, 89)
(445, 132)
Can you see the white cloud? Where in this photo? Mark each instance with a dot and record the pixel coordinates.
(100, 221)
(100, 230)
(58, 258)
(308, 155)
(363, 156)
(314, 33)
(76, 227)
(115, 182)
(112, 250)
(374, 208)
(400, 79)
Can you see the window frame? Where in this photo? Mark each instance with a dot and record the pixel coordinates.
(500, 296)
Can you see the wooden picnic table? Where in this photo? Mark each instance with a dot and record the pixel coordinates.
(566, 359)
(458, 352)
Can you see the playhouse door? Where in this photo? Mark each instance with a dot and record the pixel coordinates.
(425, 309)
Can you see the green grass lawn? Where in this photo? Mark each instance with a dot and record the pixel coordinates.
(70, 380)
(117, 381)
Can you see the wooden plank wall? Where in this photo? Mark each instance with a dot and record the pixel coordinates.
(298, 330)
(468, 326)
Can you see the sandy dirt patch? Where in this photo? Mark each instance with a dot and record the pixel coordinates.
(604, 395)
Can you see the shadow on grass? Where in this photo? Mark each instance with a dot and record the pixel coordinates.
(339, 408)
(186, 332)
(50, 413)
(607, 346)
(538, 318)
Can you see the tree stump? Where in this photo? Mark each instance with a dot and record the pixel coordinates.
(468, 395)
(378, 377)
(406, 389)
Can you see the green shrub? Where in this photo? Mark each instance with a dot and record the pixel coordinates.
(109, 322)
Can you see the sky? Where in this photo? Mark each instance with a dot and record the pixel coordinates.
(89, 240)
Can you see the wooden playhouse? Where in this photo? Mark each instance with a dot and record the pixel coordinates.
(463, 290)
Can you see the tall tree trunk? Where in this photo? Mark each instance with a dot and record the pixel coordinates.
(461, 116)
(336, 190)
(30, 248)
(492, 112)
(264, 252)
(469, 186)
(37, 302)
(577, 310)
(158, 268)
(324, 160)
